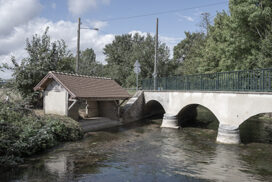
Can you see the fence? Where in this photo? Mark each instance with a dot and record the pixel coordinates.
(250, 80)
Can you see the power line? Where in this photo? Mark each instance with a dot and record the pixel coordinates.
(163, 12)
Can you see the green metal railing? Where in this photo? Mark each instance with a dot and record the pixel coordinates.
(251, 81)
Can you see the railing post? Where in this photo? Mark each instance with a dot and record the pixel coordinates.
(269, 81)
(166, 86)
(217, 82)
(238, 80)
(201, 82)
(176, 82)
(263, 80)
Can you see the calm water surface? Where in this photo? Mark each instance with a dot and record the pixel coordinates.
(145, 152)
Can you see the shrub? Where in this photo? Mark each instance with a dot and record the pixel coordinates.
(22, 133)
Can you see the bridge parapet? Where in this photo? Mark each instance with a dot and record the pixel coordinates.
(245, 81)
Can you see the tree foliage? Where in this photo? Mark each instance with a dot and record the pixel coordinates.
(187, 53)
(88, 64)
(43, 56)
(238, 40)
(122, 53)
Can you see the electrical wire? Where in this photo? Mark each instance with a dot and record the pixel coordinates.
(162, 12)
(156, 13)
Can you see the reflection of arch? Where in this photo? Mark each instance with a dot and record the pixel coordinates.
(249, 116)
(189, 113)
(153, 108)
(255, 130)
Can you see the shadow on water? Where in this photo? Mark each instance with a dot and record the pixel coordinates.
(257, 129)
(197, 116)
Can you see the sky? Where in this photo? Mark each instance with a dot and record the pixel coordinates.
(21, 19)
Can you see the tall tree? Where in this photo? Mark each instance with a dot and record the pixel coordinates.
(239, 40)
(187, 53)
(43, 56)
(205, 22)
(122, 53)
(88, 64)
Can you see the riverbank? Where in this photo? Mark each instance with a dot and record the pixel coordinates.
(23, 133)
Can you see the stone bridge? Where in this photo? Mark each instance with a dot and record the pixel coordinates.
(230, 109)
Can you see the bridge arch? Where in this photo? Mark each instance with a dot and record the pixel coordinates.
(189, 114)
(153, 108)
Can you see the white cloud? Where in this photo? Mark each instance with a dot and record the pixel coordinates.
(79, 7)
(14, 44)
(99, 24)
(182, 17)
(16, 12)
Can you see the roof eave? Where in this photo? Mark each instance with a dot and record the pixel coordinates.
(50, 75)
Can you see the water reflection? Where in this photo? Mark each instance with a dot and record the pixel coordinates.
(57, 164)
(145, 152)
(192, 158)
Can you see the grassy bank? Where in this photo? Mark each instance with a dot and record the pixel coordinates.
(22, 133)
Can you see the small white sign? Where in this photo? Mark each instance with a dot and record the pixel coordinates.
(137, 64)
(137, 67)
(137, 70)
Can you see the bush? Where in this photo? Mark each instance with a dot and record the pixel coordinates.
(22, 133)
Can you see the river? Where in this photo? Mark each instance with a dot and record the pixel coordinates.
(145, 152)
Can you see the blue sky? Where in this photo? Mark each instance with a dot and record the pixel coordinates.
(33, 16)
(171, 24)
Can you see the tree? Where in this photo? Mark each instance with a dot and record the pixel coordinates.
(43, 56)
(205, 22)
(187, 53)
(122, 53)
(240, 40)
(88, 64)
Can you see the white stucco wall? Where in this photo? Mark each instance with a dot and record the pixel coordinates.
(56, 102)
(55, 99)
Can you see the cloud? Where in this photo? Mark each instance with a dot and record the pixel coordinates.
(79, 7)
(14, 44)
(94, 24)
(17, 12)
(133, 32)
(182, 17)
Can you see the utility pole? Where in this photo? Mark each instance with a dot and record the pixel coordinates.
(156, 56)
(78, 45)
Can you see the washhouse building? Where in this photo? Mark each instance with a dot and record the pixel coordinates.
(64, 94)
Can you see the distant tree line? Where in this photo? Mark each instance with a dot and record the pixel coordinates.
(238, 40)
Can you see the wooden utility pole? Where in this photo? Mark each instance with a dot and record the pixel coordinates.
(156, 56)
(78, 45)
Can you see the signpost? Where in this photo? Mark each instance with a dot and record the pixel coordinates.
(137, 70)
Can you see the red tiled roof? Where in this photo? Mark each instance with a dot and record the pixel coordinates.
(82, 86)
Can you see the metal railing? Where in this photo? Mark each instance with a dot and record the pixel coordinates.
(250, 80)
